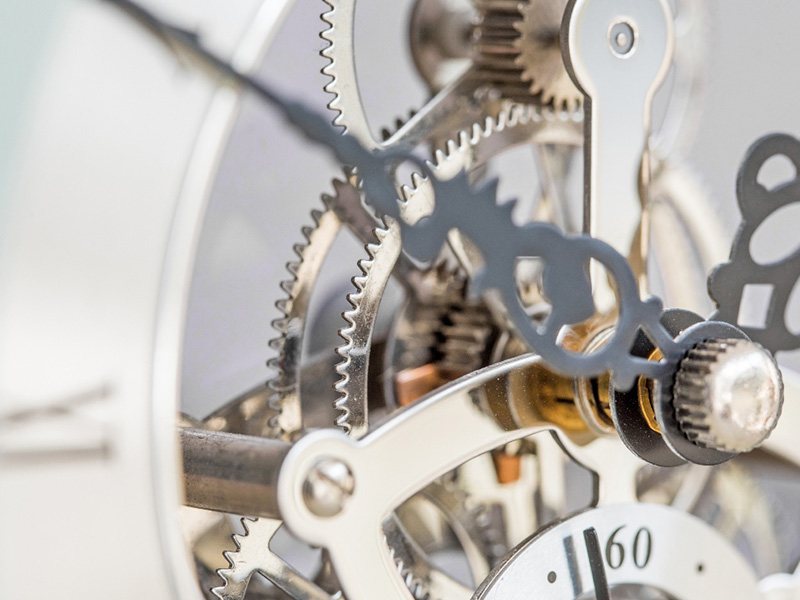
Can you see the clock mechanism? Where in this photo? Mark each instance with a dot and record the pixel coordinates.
(516, 352)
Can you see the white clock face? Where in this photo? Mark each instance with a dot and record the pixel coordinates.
(150, 210)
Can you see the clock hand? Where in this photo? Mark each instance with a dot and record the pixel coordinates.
(596, 564)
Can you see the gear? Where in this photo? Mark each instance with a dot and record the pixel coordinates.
(355, 353)
(342, 208)
(463, 345)
(253, 555)
(450, 320)
(455, 107)
(565, 277)
(462, 348)
(288, 346)
(367, 165)
(443, 329)
(346, 102)
(518, 51)
(411, 541)
(460, 330)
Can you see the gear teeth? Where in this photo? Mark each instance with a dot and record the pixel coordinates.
(355, 424)
(417, 587)
(234, 585)
(512, 116)
(407, 192)
(332, 87)
(283, 384)
(452, 147)
(341, 71)
(286, 286)
(418, 179)
(235, 578)
(517, 54)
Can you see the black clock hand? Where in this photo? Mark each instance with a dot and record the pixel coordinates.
(596, 564)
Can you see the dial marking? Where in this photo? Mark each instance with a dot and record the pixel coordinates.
(572, 564)
(71, 428)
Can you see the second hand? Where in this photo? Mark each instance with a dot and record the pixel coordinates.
(596, 564)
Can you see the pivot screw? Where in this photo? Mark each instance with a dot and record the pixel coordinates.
(728, 395)
(327, 487)
(622, 39)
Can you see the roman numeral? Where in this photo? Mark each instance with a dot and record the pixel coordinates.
(71, 428)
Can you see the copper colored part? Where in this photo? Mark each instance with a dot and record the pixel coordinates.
(413, 384)
(507, 466)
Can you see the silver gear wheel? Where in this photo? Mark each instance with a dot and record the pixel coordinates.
(414, 567)
(253, 555)
(294, 308)
(515, 125)
(517, 50)
(452, 109)
(342, 208)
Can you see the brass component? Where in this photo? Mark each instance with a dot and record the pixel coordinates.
(589, 335)
(593, 395)
(537, 394)
(580, 408)
(644, 387)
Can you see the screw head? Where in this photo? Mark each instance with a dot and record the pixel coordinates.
(622, 39)
(327, 487)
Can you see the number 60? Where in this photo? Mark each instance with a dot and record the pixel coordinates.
(642, 548)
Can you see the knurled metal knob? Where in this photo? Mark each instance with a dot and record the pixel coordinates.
(728, 395)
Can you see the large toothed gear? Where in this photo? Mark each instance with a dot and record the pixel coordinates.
(518, 50)
(461, 327)
(342, 209)
(254, 555)
(354, 368)
(460, 348)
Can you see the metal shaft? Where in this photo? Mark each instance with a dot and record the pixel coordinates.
(232, 473)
